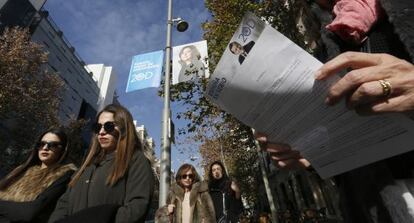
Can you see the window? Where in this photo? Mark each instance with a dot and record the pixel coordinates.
(47, 45)
(53, 68)
(65, 81)
(69, 70)
(51, 35)
(58, 58)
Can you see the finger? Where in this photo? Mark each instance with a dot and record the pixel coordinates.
(277, 148)
(260, 135)
(397, 104)
(304, 163)
(292, 164)
(366, 93)
(285, 156)
(353, 80)
(352, 60)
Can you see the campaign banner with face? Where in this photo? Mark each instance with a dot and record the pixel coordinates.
(145, 71)
(190, 61)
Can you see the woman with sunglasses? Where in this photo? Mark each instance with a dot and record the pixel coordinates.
(29, 193)
(115, 182)
(189, 200)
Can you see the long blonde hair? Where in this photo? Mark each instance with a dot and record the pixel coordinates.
(127, 143)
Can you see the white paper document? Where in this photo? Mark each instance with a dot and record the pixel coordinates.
(267, 82)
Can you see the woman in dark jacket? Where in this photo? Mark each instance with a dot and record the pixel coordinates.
(115, 183)
(29, 193)
(220, 185)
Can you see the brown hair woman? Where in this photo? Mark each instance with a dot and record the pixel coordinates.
(29, 193)
(115, 182)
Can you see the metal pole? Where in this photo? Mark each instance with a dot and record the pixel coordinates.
(266, 182)
(165, 164)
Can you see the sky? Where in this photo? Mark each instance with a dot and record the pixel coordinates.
(112, 32)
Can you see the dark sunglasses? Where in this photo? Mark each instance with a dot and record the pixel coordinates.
(50, 145)
(185, 176)
(109, 127)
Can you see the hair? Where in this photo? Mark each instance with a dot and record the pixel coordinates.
(183, 169)
(127, 143)
(195, 54)
(234, 44)
(210, 172)
(33, 158)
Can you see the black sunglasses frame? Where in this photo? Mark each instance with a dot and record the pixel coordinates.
(109, 127)
(185, 176)
(50, 144)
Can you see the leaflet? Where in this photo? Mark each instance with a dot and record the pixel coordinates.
(267, 82)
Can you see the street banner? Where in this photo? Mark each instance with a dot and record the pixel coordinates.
(145, 71)
(267, 82)
(190, 61)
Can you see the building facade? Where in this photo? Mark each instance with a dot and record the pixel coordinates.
(149, 152)
(80, 96)
(105, 78)
(301, 192)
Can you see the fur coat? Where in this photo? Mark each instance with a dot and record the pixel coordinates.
(33, 196)
(202, 208)
(33, 182)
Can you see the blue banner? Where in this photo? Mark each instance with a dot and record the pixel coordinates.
(145, 71)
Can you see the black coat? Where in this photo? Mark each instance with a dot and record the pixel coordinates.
(234, 206)
(37, 210)
(132, 193)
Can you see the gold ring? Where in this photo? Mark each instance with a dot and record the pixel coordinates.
(386, 88)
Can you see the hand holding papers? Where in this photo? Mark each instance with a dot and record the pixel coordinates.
(273, 90)
(379, 83)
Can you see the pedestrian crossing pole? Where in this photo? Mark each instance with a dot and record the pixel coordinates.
(266, 182)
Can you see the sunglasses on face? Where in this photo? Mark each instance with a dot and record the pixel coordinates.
(50, 145)
(109, 127)
(185, 176)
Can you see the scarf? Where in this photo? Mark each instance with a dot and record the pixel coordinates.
(354, 18)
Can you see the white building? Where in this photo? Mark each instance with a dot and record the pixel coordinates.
(148, 143)
(105, 78)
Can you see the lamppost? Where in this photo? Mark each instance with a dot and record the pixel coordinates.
(165, 165)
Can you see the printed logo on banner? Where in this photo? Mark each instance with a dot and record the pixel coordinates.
(145, 71)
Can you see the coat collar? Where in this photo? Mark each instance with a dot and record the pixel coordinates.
(198, 187)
